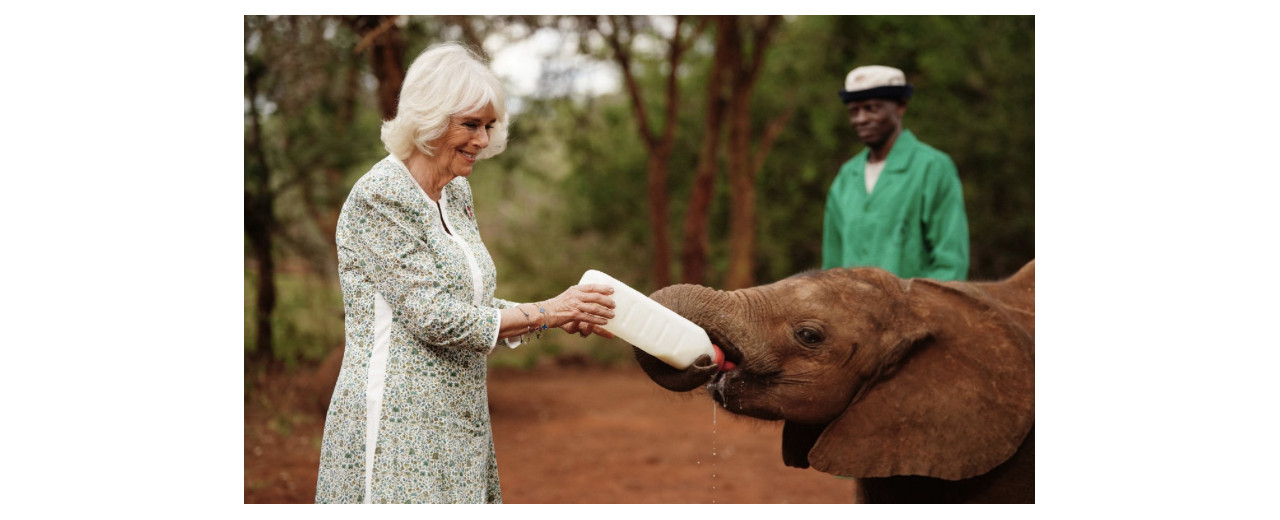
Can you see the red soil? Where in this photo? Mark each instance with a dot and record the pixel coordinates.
(563, 434)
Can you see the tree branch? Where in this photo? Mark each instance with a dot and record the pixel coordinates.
(771, 133)
(623, 57)
(761, 43)
(373, 35)
(673, 88)
(469, 35)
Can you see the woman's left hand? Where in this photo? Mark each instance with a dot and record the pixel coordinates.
(586, 304)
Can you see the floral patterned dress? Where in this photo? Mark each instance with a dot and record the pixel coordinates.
(409, 418)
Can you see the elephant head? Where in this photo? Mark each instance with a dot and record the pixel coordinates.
(874, 375)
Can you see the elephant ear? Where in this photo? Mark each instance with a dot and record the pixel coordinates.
(959, 403)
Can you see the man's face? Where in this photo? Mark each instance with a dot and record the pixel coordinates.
(875, 120)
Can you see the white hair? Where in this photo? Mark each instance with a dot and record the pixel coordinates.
(445, 80)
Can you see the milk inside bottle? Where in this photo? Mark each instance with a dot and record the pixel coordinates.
(653, 328)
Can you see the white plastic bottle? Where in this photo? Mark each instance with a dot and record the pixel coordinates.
(653, 328)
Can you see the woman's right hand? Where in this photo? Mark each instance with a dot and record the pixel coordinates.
(586, 329)
(578, 307)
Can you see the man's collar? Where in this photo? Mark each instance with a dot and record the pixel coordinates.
(900, 154)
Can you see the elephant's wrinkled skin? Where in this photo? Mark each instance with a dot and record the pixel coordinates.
(922, 390)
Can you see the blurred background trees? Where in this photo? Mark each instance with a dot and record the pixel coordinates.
(709, 163)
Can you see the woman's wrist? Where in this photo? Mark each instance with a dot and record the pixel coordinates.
(531, 325)
(542, 310)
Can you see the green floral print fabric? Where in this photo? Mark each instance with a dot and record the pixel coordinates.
(430, 435)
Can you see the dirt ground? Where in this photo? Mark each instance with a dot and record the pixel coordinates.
(565, 433)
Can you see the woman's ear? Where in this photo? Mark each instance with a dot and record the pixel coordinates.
(959, 403)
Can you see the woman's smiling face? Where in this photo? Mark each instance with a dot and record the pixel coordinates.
(466, 136)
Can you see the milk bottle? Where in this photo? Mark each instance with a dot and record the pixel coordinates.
(653, 328)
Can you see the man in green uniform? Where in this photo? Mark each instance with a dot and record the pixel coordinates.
(898, 204)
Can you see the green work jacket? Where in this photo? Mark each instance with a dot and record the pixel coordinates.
(912, 224)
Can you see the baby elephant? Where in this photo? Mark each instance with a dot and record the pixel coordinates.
(924, 391)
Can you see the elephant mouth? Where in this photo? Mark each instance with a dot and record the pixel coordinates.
(737, 389)
(732, 355)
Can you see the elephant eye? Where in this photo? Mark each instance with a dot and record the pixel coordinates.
(809, 336)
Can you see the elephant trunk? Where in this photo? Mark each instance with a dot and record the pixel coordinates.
(701, 305)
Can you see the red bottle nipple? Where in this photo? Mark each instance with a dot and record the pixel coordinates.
(724, 364)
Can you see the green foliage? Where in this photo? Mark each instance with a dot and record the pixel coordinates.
(570, 192)
(974, 79)
(307, 323)
(318, 132)
(975, 100)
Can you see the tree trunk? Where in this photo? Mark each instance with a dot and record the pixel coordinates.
(382, 37)
(741, 162)
(659, 146)
(741, 185)
(658, 206)
(257, 225)
(742, 195)
(259, 217)
(696, 237)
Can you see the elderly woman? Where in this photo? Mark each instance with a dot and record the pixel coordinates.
(409, 419)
